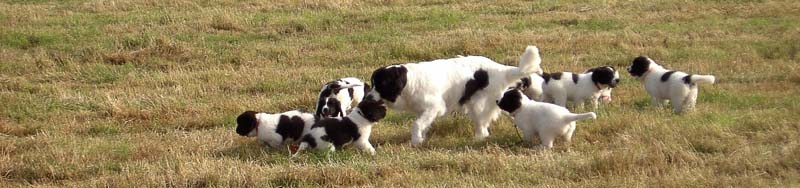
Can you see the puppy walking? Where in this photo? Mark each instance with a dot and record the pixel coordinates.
(678, 87)
(274, 130)
(548, 121)
(432, 89)
(561, 87)
(334, 133)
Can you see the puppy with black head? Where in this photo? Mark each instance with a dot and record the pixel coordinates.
(678, 87)
(355, 128)
(558, 88)
(274, 130)
(336, 97)
(548, 121)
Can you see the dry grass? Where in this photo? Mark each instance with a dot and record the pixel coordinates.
(144, 93)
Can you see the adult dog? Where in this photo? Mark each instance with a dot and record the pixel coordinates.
(432, 89)
(678, 87)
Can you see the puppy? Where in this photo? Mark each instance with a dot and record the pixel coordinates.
(431, 89)
(333, 133)
(274, 130)
(560, 87)
(678, 87)
(336, 97)
(548, 121)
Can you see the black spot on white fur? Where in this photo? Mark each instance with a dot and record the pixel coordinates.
(554, 76)
(640, 66)
(479, 81)
(367, 88)
(604, 75)
(389, 81)
(666, 75)
(310, 140)
(524, 83)
(246, 122)
(575, 78)
(688, 80)
(290, 127)
(511, 101)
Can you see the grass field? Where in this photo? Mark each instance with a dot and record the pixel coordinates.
(145, 92)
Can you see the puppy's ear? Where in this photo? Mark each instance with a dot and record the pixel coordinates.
(246, 122)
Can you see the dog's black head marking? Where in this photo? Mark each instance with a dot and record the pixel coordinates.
(639, 66)
(575, 78)
(372, 110)
(389, 81)
(246, 122)
(511, 100)
(605, 75)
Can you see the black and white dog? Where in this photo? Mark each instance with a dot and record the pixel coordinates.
(558, 88)
(678, 87)
(336, 97)
(356, 127)
(274, 130)
(548, 121)
(432, 89)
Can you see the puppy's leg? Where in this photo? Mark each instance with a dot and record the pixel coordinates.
(677, 103)
(657, 102)
(561, 100)
(547, 140)
(691, 99)
(365, 146)
(568, 134)
(303, 146)
(422, 124)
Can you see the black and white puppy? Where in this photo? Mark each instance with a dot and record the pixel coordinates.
(548, 121)
(561, 87)
(356, 127)
(274, 130)
(432, 89)
(605, 94)
(336, 97)
(678, 87)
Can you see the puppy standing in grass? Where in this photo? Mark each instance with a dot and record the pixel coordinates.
(561, 87)
(336, 97)
(546, 120)
(432, 89)
(678, 87)
(274, 130)
(355, 128)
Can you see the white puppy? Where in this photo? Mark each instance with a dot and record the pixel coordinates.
(560, 87)
(274, 130)
(432, 89)
(548, 121)
(334, 133)
(678, 87)
(336, 97)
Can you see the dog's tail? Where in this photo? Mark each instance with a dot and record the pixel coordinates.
(576, 117)
(530, 62)
(695, 79)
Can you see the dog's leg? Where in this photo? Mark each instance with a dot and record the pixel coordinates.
(691, 99)
(365, 146)
(482, 116)
(561, 100)
(547, 140)
(657, 102)
(568, 134)
(422, 124)
(677, 103)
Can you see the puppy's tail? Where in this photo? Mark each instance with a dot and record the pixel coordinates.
(530, 62)
(695, 79)
(576, 117)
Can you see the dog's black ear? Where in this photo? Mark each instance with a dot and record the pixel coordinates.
(246, 122)
(639, 66)
(372, 110)
(389, 81)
